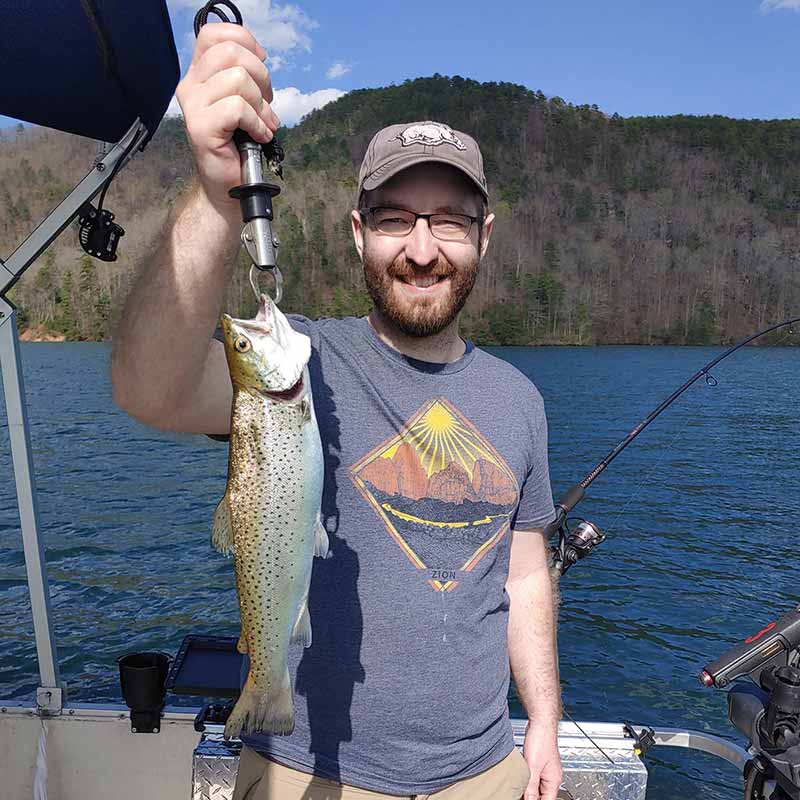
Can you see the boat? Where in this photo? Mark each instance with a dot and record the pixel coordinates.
(122, 76)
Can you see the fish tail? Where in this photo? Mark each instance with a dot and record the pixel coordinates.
(266, 711)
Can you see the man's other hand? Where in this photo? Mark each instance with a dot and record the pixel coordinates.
(541, 754)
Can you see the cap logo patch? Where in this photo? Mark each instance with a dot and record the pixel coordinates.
(431, 134)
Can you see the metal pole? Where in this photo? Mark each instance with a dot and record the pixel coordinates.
(49, 697)
(50, 694)
(5, 275)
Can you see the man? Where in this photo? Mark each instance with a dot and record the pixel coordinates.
(436, 485)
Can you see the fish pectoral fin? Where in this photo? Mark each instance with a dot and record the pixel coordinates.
(222, 532)
(302, 627)
(321, 543)
(241, 645)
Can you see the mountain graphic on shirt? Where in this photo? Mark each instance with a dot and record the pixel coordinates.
(442, 491)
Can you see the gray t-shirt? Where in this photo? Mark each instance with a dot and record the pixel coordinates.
(427, 467)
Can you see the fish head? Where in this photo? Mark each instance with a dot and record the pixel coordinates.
(266, 356)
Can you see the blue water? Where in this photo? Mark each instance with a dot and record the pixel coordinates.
(700, 515)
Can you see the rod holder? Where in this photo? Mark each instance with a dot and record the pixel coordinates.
(142, 677)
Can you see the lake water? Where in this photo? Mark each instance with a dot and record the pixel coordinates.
(700, 514)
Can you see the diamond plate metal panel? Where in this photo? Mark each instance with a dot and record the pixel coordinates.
(214, 768)
(588, 774)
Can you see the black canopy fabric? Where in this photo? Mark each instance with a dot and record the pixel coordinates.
(88, 67)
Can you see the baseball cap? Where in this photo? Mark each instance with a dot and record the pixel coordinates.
(399, 147)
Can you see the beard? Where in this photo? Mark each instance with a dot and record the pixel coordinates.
(422, 316)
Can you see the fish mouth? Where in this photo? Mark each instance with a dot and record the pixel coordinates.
(287, 395)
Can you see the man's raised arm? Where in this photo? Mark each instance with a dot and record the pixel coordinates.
(166, 370)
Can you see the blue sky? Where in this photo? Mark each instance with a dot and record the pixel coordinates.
(736, 58)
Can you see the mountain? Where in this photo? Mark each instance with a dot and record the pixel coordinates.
(404, 475)
(491, 484)
(654, 230)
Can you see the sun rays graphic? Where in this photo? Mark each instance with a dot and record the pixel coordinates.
(440, 438)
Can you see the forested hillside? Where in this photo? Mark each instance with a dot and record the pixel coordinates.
(651, 230)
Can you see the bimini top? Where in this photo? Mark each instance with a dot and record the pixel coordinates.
(88, 67)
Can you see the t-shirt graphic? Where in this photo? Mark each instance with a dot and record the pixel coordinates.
(443, 492)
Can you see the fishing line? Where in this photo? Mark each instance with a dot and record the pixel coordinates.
(117, 167)
(577, 725)
(712, 382)
(638, 489)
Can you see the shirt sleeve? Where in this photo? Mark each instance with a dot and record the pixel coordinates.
(535, 508)
(300, 323)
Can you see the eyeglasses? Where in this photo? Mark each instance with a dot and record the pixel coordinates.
(399, 222)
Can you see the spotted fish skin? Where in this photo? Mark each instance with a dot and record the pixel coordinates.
(269, 515)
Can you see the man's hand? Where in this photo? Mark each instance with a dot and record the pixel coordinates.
(227, 86)
(541, 754)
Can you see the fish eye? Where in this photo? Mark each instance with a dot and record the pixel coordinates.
(241, 344)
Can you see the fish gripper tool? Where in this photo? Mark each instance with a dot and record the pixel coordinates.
(255, 199)
(254, 193)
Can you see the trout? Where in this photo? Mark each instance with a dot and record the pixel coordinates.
(269, 515)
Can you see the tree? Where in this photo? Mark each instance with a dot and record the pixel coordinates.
(551, 257)
(668, 229)
(703, 324)
(65, 314)
(549, 294)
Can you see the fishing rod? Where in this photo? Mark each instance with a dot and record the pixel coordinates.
(574, 545)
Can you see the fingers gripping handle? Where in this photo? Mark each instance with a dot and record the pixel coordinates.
(254, 193)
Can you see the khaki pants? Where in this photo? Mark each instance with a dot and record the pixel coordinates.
(262, 779)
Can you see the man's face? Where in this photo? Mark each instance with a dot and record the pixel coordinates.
(419, 282)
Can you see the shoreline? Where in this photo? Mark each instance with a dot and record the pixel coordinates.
(40, 334)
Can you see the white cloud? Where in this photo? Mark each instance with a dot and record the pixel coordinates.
(281, 29)
(276, 62)
(777, 5)
(291, 104)
(337, 70)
